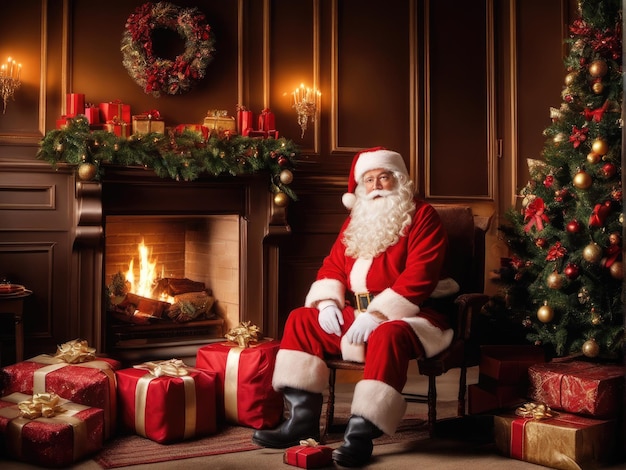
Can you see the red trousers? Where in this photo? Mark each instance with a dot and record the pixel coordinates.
(389, 348)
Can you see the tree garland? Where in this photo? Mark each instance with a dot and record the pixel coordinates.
(155, 74)
(181, 156)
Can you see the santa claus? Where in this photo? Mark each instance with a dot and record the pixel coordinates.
(366, 305)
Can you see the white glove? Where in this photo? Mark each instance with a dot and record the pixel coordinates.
(362, 328)
(330, 318)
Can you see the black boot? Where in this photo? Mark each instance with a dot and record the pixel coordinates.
(303, 422)
(357, 447)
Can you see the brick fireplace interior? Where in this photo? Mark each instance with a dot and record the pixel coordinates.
(223, 232)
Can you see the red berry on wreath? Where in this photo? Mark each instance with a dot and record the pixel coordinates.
(573, 226)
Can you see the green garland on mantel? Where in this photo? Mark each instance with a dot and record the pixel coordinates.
(182, 156)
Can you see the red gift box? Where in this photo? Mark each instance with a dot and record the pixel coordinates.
(482, 398)
(91, 383)
(263, 134)
(115, 109)
(245, 393)
(75, 104)
(308, 456)
(167, 408)
(578, 387)
(244, 121)
(567, 441)
(73, 433)
(267, 121)
(197, 128)
(508, 364)
(63, 121)
(119, 128)
(92, 112)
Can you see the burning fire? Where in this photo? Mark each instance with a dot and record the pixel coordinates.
(147, 275)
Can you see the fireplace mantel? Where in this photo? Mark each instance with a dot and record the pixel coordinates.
(135, 191)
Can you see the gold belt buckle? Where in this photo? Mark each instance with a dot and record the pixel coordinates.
(362, 301)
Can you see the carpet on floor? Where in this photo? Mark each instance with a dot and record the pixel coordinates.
(132, 450)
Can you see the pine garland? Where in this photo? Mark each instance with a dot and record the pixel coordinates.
(181, 156)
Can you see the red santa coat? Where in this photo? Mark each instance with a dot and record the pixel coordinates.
(401, 278)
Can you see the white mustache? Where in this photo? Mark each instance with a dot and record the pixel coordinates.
(378, 193)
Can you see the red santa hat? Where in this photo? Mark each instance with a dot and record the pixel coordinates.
(371, 159)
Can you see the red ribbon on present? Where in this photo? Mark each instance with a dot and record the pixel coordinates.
(152, 114)
(535, 215)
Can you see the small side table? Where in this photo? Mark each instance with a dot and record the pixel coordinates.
(14, 305)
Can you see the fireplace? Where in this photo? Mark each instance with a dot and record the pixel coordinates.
(222, 233)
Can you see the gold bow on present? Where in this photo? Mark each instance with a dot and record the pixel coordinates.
(244, 334)
(535, 411)
(310, 442)
(44, 405)
(75, 352)
(169, 368)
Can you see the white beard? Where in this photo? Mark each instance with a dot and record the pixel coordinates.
(377, 222)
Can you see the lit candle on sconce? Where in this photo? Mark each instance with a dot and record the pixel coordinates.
(10, 74)
(306, 102)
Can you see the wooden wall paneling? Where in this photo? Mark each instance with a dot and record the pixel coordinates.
(31, 31)
(460, 100)
(371, 77)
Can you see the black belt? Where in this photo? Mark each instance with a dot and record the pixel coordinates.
(361, 301)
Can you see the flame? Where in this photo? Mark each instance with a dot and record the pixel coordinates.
(147, 274)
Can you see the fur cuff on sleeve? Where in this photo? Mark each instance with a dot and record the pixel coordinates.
(326, 289)
(393, 305)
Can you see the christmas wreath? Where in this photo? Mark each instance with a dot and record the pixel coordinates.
(157, 75)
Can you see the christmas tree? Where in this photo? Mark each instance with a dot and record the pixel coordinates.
(563, 281)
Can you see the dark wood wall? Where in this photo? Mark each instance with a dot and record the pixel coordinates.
(461, 88)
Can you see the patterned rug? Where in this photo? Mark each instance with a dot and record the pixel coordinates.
(134, 450)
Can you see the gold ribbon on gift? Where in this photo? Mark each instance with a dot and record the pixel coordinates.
(64, 414)
(535, 411)
(310, 442)
(244, 334)
(170, 368)
(75, 351)
(55, 363)
(41, 404)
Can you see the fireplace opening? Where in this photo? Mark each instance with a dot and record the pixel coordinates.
(172, 282)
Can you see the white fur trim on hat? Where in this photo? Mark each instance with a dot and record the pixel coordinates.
(299, 370)
(379, 403)
(348, 200)
(386, 159)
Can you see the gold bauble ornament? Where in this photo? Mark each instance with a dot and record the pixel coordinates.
(582, 180)
(545, 314)
(600, 146)
(554, 280)
(592, 253)
(590, 348)
(593, 158)
(86, 171)
(560, 137)
(286, 176)
(597, 88)
(598, 68)
(281, 199)
(59, 148)
(617, 270)
(569, 78)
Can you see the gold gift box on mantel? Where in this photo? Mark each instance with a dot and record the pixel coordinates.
(147, 123)
(219, 122)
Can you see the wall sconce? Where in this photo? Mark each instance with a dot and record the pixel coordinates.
(306, 102)
(9, 80)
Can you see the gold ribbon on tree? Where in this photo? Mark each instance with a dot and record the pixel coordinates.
(244, 334)
(75, 352)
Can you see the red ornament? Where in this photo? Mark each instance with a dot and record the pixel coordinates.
(571, 271)
(608, 170)
(540, 242)
(282, 161)
(573, 226)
